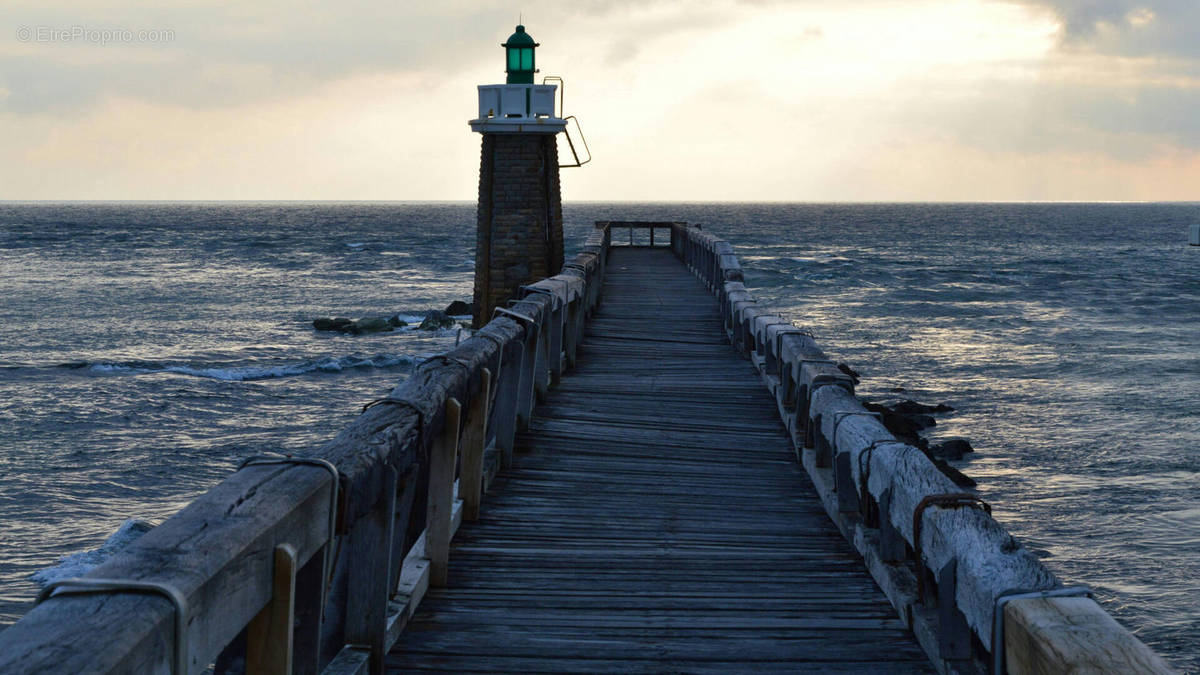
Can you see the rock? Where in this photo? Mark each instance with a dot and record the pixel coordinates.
(897, 390)
(370, 326)
(396, 321)
(923, 421)
(323, 324)
(342, 323)
(458, 308)
(436, 320)
(849, 371)
(960, 479)
(911, 407)
(901, 426)
(952, 449)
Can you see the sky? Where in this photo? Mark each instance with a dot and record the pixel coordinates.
(692, 100)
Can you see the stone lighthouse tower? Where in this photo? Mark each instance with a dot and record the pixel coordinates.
(519, 235)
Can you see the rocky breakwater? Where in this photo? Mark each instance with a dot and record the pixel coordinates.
(434, 320)
(907, 420)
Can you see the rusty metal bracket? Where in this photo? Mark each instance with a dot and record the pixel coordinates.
(499, 362)
(791, 331)
(841, 415)
(1017, 594)
(947, 500)
(447, 360)
(556, 302)
(87, 586)
(334, 505)
(864, 472)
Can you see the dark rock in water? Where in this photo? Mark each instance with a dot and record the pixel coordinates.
(344, 325)
(910, 407)
(458, 308)
(901, 426)
(897, 390)
(960, 479)
(436, 320)
(370, 326)
(396, 321)
(923, 421)
(849, 371)
(954, 448)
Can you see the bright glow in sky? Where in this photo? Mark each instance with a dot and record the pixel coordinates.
(701, 100)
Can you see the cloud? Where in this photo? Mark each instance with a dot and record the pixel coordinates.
(229, 53)
(1128, 27)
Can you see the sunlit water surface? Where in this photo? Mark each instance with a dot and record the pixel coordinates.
(146, 348)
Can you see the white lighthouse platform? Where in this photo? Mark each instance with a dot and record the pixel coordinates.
(517, 108)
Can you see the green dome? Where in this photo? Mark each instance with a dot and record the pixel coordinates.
(520, 39)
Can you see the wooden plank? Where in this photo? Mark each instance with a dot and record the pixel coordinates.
(654, 512)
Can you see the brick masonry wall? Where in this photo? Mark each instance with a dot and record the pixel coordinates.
(519, 236)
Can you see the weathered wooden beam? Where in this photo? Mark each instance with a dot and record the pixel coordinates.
(1072, 635)
(217, 551)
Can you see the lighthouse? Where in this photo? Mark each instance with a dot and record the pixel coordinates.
(519, 236)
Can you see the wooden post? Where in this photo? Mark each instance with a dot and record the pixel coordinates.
(554, 343)
(847, 493)
(529, 370)
(954, 635)
(470, 485)
(370, 543)
(891, 542)
(574, 327)
(441, 495)
(307, 610)
(506, 409)
(269, 635)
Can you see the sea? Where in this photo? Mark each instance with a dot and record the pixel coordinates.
(146, 347)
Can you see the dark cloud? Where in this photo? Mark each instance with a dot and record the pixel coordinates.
(1128, 27)
(231, 53)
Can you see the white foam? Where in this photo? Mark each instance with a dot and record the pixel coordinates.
(79, 564)
(328, 364)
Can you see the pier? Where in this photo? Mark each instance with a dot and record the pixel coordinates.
(632, 467)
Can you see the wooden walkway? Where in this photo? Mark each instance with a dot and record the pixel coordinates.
(657, 521)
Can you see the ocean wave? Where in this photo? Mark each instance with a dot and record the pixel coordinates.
(79, 564)
(328, 364)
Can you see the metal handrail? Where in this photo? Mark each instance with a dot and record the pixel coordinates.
(572, 145)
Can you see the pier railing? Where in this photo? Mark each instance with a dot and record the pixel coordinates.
(975, 598)
(315, 563)
(665, 231)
